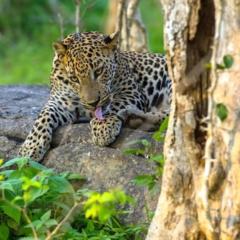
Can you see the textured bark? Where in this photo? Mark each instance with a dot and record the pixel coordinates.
(200, 197)
(112, 16)
(124, 15)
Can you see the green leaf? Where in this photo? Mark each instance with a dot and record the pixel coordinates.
(75, 176)
(51, 222)
(134, 151)
(37, 224)
(105, 213)
(90, 226)
(60, 184)
(159, 135)
(11, 210)
(145, 143)
(12, 224)
(221, 111)
(4, 232)
(159, 158)
(19, 161)
(38, 166)
(145, 180)
(46, 216)
(228, 61)
(164, 125)
(6, 173)
(106, 197)
(18, 200)
(6, 186)
(33, 193)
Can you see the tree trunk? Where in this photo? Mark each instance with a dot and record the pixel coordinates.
(200, 196)
(124, 15)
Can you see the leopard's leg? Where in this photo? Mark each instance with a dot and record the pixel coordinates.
(59, 110)
(150, 117)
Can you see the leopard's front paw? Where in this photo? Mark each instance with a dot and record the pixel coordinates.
(105, 132)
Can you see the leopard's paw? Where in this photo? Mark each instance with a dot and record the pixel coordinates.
(105, 132)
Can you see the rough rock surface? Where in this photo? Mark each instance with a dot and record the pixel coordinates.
(72, 149)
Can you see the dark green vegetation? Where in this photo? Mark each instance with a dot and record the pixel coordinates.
(38, 204)
(28, 28)
(151, 181)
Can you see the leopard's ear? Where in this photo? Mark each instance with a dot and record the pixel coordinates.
(59, 47)
(111, 41)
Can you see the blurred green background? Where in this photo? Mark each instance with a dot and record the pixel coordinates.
(29, 27)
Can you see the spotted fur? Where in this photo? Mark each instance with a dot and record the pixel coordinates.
(89, 71)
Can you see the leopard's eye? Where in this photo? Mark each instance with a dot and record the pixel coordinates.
(74, 79)
(98, 72)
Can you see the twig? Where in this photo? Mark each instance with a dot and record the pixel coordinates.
(63, 221)
(30, 223)
(77, 15)
(60, 20)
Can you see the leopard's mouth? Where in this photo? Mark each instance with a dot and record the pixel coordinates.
(104, 101)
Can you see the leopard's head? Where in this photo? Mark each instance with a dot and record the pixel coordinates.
(88, 61)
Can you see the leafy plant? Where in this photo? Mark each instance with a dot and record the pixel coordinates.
(142, 150)
(36, 203)
(150, 180)
(159, 135)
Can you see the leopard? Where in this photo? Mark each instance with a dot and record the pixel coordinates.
(92, 77)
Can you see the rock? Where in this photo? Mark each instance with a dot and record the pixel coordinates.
(72, 150)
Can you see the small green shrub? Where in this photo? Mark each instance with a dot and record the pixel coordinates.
(36, 203)
(150, 180)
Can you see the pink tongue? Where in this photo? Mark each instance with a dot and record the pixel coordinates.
(98, 113)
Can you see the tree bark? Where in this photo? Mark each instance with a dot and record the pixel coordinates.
(125, 16)
(200, 197)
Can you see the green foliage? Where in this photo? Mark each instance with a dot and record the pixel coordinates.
(222, 111)
(160, 133)
(103, 206)
(146, 180)
(152, 15)
(37, 203)
(150, 180)
(227, 62)
(138, 151)
(4, 232)
(110, 230)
